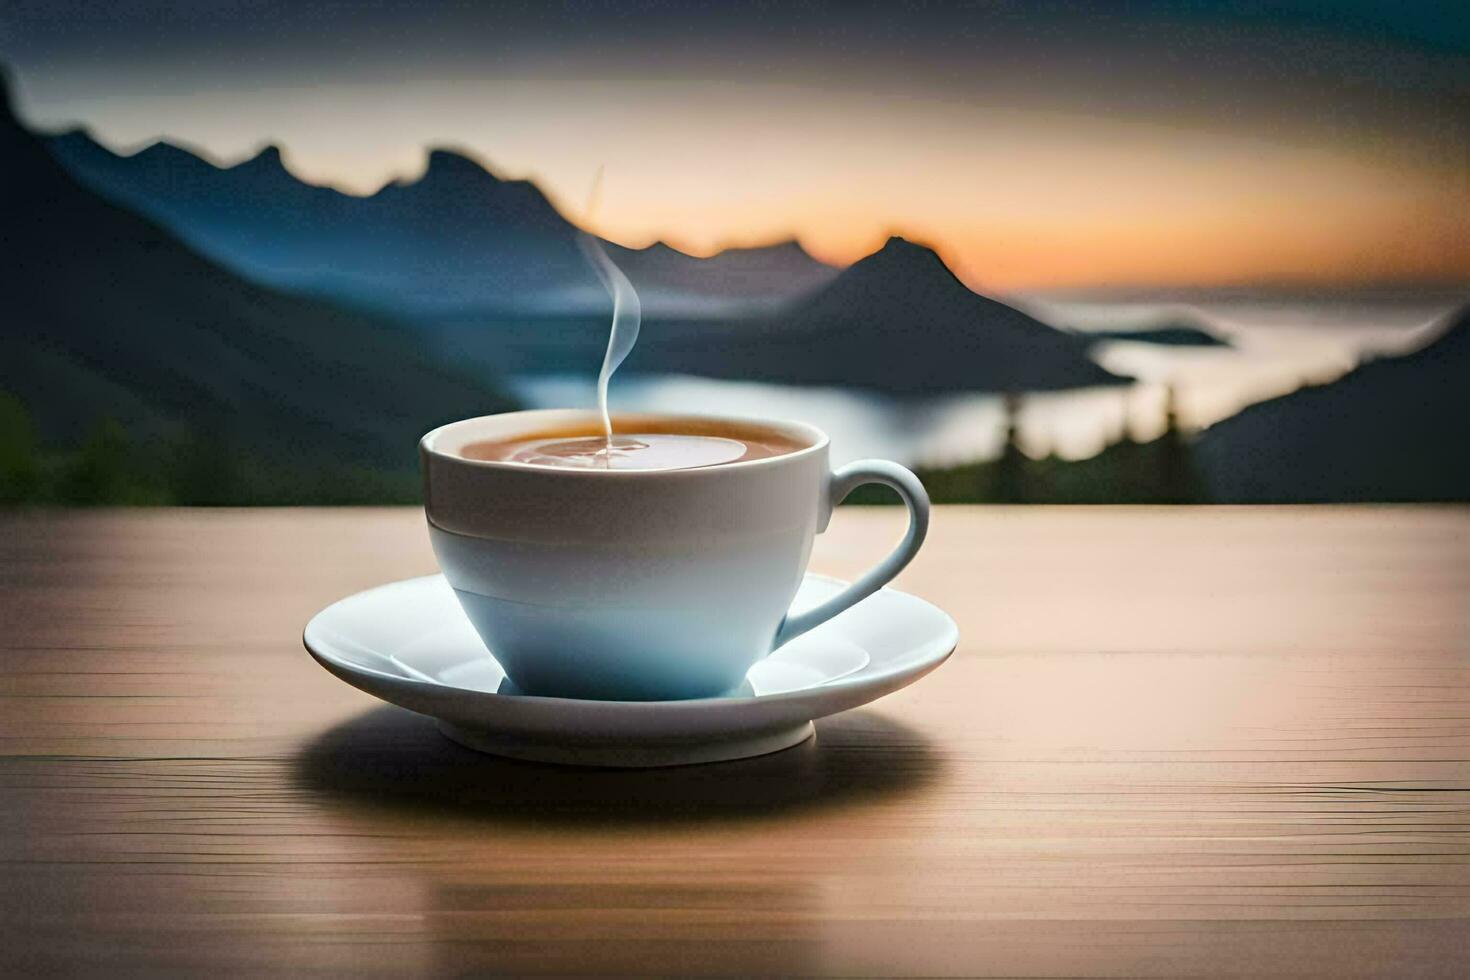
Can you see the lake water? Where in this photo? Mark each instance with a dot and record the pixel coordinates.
(1276, 348)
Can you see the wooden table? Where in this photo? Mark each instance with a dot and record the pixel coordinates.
(1173, 742)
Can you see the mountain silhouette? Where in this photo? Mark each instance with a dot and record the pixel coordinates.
(458, 240)
(1391, 430)
(735, 279)
(109, 316)
(490, 271)
(897, 322)
(900, 322)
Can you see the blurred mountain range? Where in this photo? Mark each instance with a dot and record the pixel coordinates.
(456, 241)
(233, 334)
(896, 322)
(109, 317)
(489, 273)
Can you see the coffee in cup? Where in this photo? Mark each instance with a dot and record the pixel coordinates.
(664, 574)
(658, 444)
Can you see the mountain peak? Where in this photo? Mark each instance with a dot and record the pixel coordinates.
(453, 179)
(267, 158)
(270, 153)
(793, 246)
(900, 257)
(898, 245)
(162, 152)
(454, 164)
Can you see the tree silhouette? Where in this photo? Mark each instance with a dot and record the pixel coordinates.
(1008, 483)
(1178, 479)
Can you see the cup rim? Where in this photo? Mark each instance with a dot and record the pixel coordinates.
(817, 439)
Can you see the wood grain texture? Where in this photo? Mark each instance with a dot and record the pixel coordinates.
(1173, 742)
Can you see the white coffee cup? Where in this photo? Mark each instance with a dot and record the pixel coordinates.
(640, 584)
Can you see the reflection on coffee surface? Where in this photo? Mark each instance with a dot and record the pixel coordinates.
(688, 447)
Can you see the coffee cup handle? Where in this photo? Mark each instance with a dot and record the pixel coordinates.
(844, 481)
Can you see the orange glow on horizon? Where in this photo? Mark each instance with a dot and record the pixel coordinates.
(1012, 200)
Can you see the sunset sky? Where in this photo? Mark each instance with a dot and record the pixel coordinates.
(1034, 144)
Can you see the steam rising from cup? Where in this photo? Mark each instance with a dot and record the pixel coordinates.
(626, 318)
(627, 310)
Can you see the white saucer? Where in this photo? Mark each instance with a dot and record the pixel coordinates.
(408, 643)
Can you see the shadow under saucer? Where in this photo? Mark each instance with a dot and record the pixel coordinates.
(390, 757)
